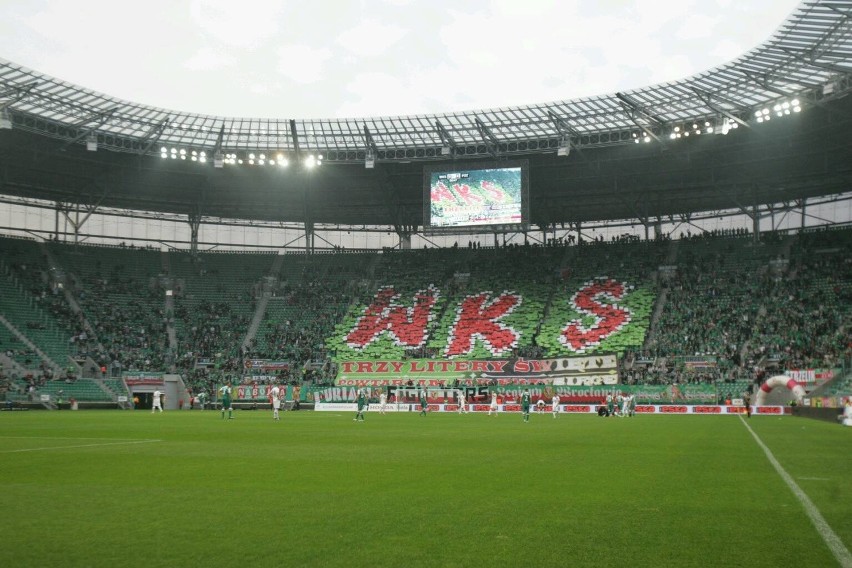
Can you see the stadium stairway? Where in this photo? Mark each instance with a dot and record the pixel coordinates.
(69, 296)
(263, 301)
(10, 366)
(57, 370)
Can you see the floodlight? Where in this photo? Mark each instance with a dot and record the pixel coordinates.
(183, 151)
(795, 102)
(672, 135)
(310, 161)
(202, 159)
(203, 154)
(251, 156)
(647, 139)
(760, 119)
(797, 109)
(283, 162)
(164, 150)
(776, 108)
(677, 128)
(262, 156)
(218, 160)
(261, 162)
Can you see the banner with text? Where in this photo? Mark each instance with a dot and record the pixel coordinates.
(588, 370)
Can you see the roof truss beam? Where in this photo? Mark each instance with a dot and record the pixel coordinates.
(443, 133)
(488, 137)
(97, 120)
(154, 135)
(707, 98)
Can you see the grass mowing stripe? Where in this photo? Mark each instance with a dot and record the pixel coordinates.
(79, 446)
(841, 553)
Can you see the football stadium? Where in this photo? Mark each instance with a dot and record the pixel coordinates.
(608, 328)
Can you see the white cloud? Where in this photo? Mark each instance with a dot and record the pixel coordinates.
(370, 38)
(331, 58)
(208, 59)
(246, 24)
(302, 64)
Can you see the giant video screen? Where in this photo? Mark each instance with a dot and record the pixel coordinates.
(470, 197)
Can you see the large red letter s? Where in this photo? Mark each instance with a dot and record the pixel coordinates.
(609, 318)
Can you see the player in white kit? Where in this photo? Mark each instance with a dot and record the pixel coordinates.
(555, 403)
(383, 402)
(493, 406)
(155, 403)
(625, 405)
(462, 403)
(275, 396)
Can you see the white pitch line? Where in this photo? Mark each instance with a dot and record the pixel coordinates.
(63, 438)
(80, 446)
(841, 553)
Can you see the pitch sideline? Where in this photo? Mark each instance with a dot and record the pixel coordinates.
(841, 553)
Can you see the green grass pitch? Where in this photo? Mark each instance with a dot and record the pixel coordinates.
(112, 488)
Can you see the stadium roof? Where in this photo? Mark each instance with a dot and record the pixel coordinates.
(808, 57)
(611, 173)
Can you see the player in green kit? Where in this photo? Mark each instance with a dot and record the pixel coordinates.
(525, 404)
(424, 404)
(362, 402)
(225, 391)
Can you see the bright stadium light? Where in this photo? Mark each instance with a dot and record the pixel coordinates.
(310, 161)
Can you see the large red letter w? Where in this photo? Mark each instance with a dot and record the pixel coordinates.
(476, 317)
(406, 325)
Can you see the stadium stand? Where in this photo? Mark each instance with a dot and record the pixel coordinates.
(717, 309)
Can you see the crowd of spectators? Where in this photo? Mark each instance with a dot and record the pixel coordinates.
(783, 303)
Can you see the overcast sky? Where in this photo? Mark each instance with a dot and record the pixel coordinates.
(324, 59)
